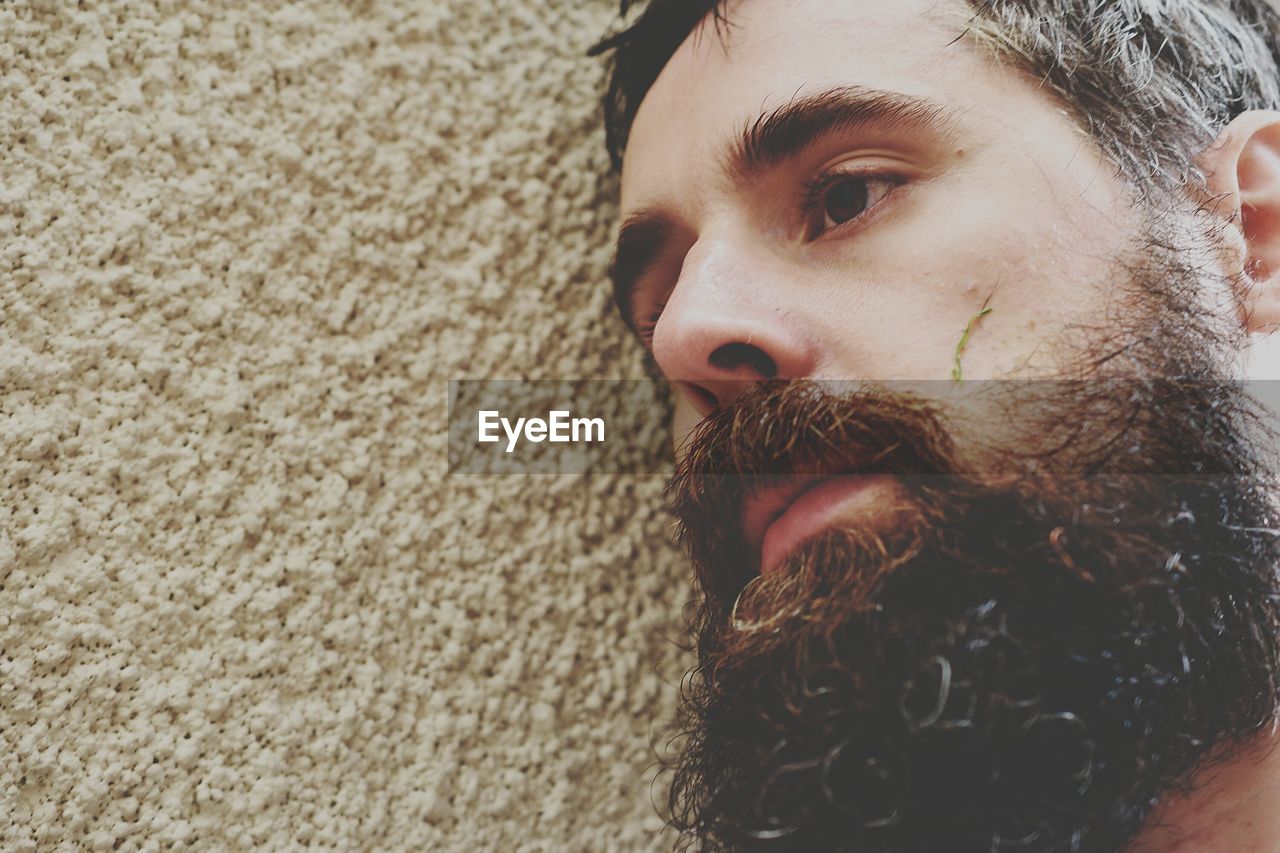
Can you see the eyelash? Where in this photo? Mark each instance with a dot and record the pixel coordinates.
(646, 329)
(811, 200)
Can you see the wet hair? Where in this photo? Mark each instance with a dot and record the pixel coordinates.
(1152, 81)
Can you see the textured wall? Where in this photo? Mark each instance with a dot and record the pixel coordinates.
(243, 247)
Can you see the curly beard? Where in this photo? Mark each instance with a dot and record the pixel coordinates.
(1029, 658)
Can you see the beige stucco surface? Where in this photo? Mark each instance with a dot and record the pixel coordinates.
(243, 248)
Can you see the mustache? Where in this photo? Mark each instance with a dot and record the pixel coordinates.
(783, 426)
(785, 429)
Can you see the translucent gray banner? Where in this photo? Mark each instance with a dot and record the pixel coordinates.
(568, 427)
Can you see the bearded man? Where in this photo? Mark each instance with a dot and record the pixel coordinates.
(955, 298)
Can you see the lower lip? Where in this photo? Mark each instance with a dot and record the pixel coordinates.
(839, 501)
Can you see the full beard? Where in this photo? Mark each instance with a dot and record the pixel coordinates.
(1038, 649)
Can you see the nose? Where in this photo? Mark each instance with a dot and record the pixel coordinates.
(728, 325)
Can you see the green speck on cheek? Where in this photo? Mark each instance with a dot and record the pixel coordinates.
(957, 372)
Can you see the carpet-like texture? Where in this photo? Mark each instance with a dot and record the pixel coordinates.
(243, 247)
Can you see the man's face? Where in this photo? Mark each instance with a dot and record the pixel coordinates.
(853, 191)
(862, 250)
(906, 643)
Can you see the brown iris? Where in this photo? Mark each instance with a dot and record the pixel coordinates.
(845, 200)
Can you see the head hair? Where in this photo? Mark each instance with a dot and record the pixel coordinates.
(1153, 82)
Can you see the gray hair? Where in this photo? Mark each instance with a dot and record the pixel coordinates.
(1152, 81)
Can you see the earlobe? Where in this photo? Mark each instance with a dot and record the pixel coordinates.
(1243, 171)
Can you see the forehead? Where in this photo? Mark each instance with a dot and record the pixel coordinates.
(774, 50)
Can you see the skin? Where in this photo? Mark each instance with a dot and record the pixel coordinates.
(1232, 808)
(1012, 209)
(890, 299)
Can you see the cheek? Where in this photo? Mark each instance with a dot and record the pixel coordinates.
(1039, 273)
(904, 316)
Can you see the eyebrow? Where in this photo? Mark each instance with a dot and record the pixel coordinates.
(785, 133)
(772, 139)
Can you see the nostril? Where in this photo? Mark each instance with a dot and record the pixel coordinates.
(733, 357)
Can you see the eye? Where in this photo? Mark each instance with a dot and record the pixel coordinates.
(646, 328)
(836, 199)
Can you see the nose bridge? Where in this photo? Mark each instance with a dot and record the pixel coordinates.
(726, 325)
(733, 277)
(718, 270)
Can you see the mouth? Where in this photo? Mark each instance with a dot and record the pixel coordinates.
(780, 516)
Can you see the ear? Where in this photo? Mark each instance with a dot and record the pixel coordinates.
(1243, 170)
